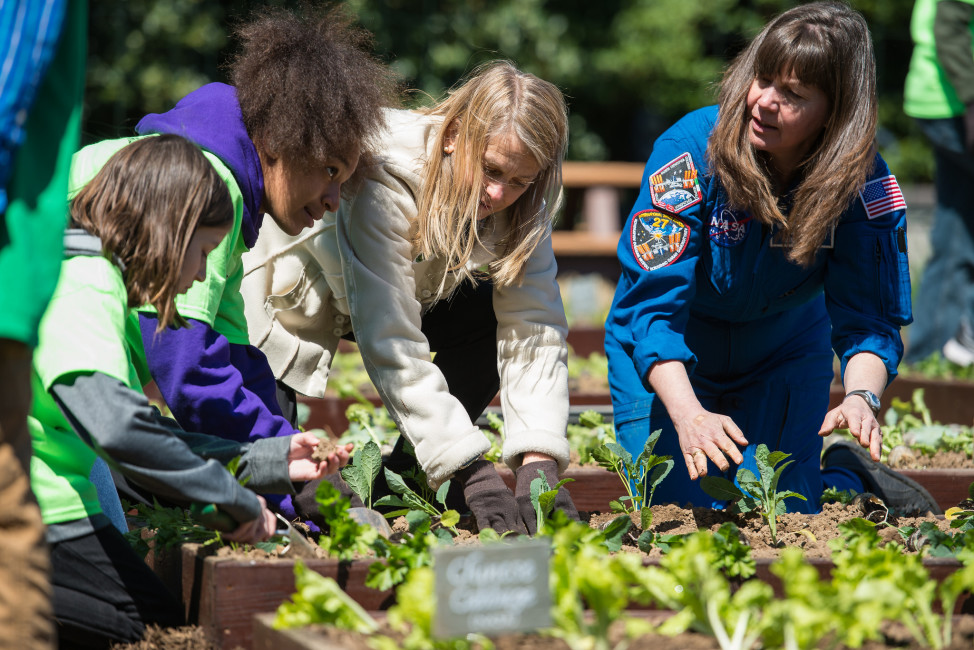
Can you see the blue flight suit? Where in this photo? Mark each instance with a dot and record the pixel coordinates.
(711, 287)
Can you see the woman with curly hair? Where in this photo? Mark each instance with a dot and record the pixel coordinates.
(304, 107)
(439, 264)
(767, 227)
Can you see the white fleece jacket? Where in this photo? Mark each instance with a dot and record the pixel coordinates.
(357, 270)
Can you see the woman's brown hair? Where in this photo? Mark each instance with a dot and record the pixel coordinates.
(825, 45)
(495, 100)
(308, 86)
(145, 204)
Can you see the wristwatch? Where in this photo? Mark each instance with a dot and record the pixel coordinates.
(871, 400)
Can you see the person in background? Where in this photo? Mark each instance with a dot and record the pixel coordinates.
(939, 94)
(305, 101)
(140, 232)
(766, 228)
(442, 248)
(41, 87)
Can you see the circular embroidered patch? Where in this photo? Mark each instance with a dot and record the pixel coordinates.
(657, 239)
(728, 228)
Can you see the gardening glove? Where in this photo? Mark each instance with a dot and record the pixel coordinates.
(306, 506)
(489, 498)
(522, 492)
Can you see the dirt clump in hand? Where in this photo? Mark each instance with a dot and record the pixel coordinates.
(324, 449)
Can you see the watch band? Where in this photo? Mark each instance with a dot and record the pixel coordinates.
(870, 397)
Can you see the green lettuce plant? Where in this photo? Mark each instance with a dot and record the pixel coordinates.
(318, 599)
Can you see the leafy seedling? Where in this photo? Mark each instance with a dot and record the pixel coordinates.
(835, 495)
(755, 494)
(346, 538)
(360, 474)
(640, 477)
(408, 499)
(172, 527)
(543, 497)
(412, 551)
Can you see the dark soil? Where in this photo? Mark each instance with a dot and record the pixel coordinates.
(811, 533)
(904, 458)
(326, 447)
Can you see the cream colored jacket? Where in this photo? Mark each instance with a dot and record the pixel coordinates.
(357, 270)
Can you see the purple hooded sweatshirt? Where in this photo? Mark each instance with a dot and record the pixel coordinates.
(211, 385)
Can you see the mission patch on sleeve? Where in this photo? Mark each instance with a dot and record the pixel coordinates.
(657, 239)
(675, 187)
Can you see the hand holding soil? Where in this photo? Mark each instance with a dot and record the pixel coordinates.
(312, 458)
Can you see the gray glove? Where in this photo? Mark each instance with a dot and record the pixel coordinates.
(489, 498)
(527, 473)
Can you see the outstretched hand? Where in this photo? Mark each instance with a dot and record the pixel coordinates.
(854, 414)
(301, 466)
(707, 435)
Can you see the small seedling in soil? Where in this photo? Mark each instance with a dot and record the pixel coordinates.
(640, 477)
(346, 538)
(834, 495)
(543, 497)
(408, 499)
(361, 473)
(754, 494)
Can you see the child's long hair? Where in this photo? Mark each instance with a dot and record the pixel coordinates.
(496, 99)
(826, 45)
(145, 204)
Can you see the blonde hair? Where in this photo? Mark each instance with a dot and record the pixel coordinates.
(826, 45)
(496, 99)
(145, 204)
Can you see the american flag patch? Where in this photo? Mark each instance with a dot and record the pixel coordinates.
(882, 196)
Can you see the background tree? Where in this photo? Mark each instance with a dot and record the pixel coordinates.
(630, 68)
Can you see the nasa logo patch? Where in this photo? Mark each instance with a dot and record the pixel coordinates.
(657, 239)
(728, 228)
(674, 187)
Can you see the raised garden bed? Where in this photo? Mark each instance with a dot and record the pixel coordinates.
(223, 591)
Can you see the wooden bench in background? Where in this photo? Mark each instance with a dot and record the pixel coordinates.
(591, 217)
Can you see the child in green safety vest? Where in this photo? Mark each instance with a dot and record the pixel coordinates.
(140, 232)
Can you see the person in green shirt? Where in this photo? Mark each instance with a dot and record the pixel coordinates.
(939, 94)
(139, 234)
(41, 87)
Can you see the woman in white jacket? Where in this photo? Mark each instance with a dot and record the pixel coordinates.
(442, 245)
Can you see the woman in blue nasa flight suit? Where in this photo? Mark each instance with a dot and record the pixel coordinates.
(765, 226)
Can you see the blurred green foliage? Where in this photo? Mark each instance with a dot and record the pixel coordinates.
(629, 68)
